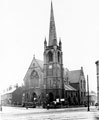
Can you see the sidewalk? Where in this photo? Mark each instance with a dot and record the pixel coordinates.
(21, 113)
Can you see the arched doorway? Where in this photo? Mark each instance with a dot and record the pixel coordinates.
(51, 97)
(33, 97)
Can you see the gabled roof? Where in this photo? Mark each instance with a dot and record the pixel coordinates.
(74, 76)
(34, 64)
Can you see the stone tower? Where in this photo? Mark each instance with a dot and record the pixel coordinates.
(97, 70)
(53, 64)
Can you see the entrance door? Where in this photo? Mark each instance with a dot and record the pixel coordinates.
(51, 97)
(34, 96)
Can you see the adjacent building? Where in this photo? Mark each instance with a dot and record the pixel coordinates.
(77, 80)
(13, 96)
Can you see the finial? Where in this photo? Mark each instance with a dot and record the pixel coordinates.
(51, 4)
(81, 68)
(34, 56)
(60, 41)
(45, 42)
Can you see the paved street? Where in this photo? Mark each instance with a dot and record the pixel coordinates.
(16, 113)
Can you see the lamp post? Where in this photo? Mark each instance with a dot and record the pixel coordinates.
(88, 93)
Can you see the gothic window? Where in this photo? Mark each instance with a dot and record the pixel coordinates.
(71, 94)
(27, 95)
(84, 94)
(50, 84)
(34, 74)
(50, 72)
(58, 57)
(81, 83)
(34, 79)
(81, 94)
(76, 94)
(84, 83)
(50, 56)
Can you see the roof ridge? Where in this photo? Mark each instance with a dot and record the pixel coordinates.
(39, 60)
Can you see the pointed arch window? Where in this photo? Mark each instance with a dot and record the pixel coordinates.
(34, 79)
(58, 57)
(50, 56)
(34, 74)
(84, 83)
(81, 83)
(50, 83)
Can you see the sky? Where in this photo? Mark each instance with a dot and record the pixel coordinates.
(24, 24)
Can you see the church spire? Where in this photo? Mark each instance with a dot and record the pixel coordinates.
(52, 29)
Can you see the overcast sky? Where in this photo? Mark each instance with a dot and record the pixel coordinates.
(24, 25)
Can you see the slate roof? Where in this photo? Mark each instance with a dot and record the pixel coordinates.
(40, 62)
(10, 91)
(69, 88)
(74, 76)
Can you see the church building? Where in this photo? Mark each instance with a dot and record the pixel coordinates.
(47, 78)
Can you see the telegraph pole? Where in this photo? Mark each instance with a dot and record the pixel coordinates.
(88, 93)
(97, 73)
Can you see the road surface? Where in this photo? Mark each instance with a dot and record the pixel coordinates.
(18, 113)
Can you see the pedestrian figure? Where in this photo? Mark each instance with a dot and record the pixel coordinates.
(0, 108)
(26, 107)
(47, 106)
